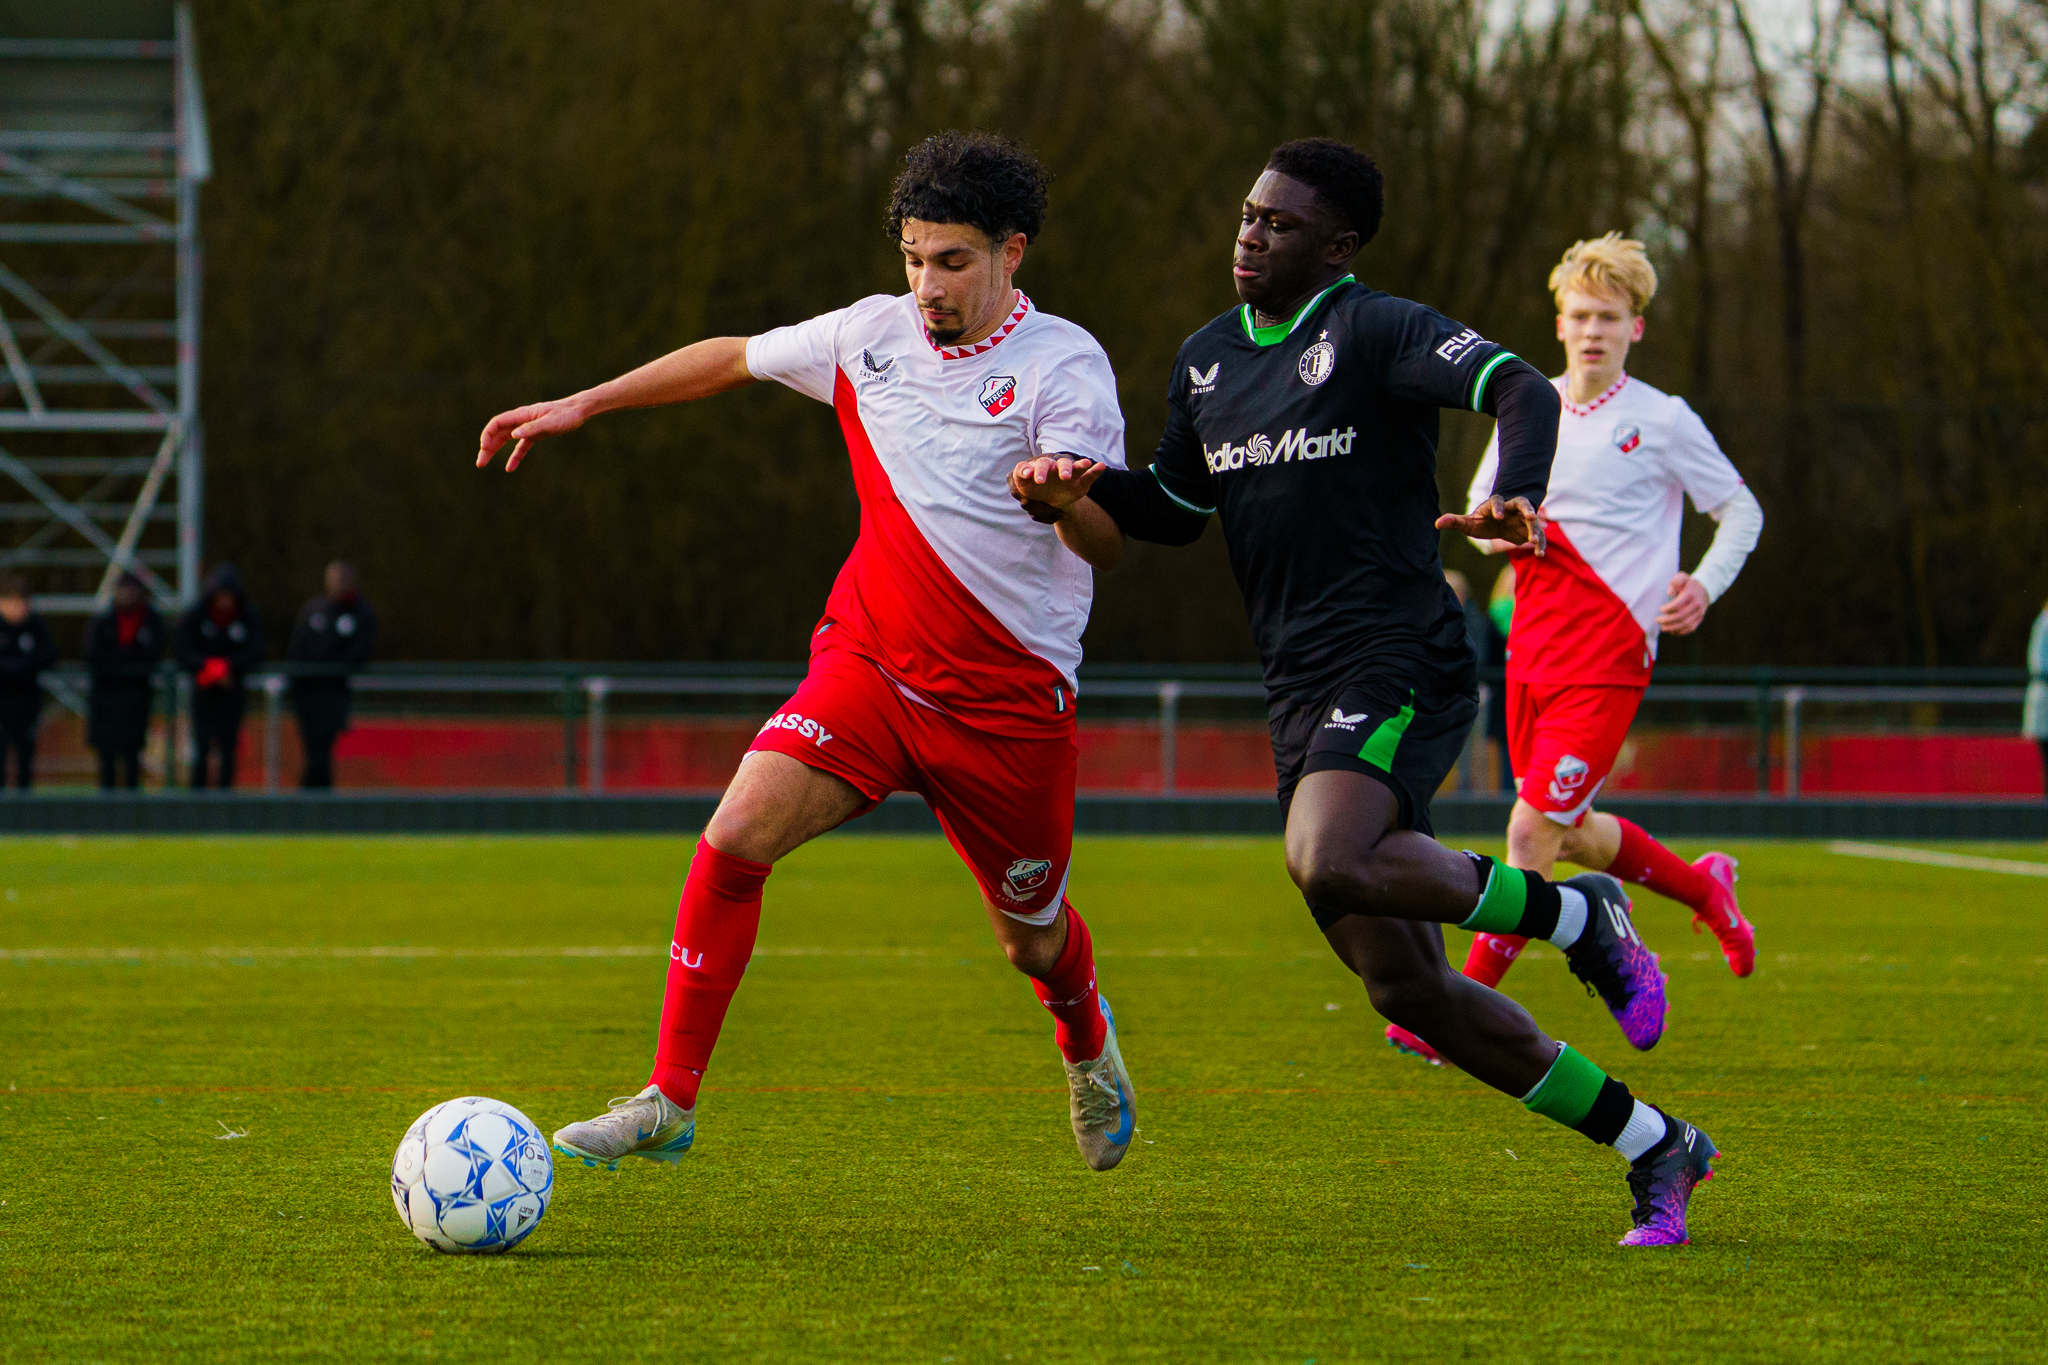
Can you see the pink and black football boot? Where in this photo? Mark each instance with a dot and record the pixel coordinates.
(1611, 959)
(1662, 1181)
(1401, 1040)
(1724, 916)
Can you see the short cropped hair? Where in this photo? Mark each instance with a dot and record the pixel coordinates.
(1346, 180)
(13, 584)
(1613, 265)
(981, 179)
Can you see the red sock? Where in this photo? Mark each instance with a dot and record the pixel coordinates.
(1068, 990)
(1491, 956)
(715, 927)
(1646, 862)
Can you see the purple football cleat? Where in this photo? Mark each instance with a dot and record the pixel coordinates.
(1611, 959)
(1662, 1181)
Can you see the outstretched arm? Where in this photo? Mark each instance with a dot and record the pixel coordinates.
(1054, 491)
(696, 371)
(1527, 409)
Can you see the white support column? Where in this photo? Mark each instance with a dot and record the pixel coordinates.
(195, 165)
(595, 691)
(1169, 737)
(1795, 697)
(273, 732)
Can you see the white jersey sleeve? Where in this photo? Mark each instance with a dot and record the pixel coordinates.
(1694, 460)
(1741, 521)
(1078, 413)
(804, 356)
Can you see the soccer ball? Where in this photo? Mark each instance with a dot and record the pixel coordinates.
(472, 1175)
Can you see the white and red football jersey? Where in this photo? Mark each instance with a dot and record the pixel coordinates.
(967, 603)
(1586, 612)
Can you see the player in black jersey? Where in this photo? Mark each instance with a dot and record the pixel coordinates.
(1307, 420)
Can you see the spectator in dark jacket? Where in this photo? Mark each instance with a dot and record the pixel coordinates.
(333, 638)
(123, 646)
(25, 651)
(219, 640)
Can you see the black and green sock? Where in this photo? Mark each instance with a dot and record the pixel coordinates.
(1513, 901)
(1587, 1100)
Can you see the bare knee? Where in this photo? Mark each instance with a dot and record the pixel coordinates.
(1031, 956)
(1033, 949)
(774, 804)
(1334, 875)
(735, 830)
(1534, 839)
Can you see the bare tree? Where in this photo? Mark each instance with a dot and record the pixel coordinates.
(1792, 177)
(1692, 83)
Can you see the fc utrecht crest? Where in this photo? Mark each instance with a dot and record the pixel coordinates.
(1027, 875)
(1628, 437)
(998, 391)
(1566, 777)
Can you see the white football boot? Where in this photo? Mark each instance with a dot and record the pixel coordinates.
(1102, 1103)
(647, 1124)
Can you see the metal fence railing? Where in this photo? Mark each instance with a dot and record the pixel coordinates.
(1778, 708)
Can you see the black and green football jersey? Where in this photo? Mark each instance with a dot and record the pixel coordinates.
(1315, 441)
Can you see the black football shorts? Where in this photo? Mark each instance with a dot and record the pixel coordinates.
(1409, 738)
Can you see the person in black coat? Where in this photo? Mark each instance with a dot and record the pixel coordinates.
(26, 649)
(219, 640)
(123, 646)
(332, 638)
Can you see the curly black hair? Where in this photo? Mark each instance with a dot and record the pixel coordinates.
(982, 179)
(1344, 178)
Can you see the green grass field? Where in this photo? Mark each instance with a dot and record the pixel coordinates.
(883, 1170)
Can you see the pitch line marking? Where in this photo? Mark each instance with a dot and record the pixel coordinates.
(402, 952)
(1932, 858)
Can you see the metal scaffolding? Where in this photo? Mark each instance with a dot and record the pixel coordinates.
(103, 148)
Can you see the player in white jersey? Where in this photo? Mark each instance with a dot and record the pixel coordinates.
(945, 662)
(1588, 614)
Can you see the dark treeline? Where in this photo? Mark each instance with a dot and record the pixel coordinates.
(428, 210)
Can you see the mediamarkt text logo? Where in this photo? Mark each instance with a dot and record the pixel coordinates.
(1293, 445)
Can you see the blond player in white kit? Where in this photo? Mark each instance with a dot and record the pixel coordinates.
(1588, 613)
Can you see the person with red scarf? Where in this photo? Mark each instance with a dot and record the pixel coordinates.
(123, 646)
(219, 640)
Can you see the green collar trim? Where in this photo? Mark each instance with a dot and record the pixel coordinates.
(1267, 336)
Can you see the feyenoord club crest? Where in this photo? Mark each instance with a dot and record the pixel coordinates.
(1317, 362)
(998, 391)
(1627, 437)
(1027, 875)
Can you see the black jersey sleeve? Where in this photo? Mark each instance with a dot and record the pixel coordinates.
(1427, 358)
(1170, 503)
(1527, 407)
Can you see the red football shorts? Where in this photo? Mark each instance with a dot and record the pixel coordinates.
(1006, 804)
(1563, 739)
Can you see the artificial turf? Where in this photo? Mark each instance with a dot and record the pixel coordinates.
(883, 1169)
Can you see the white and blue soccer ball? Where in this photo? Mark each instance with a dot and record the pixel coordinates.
(472, 1175)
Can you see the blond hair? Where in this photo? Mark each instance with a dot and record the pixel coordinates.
(1613, 265)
